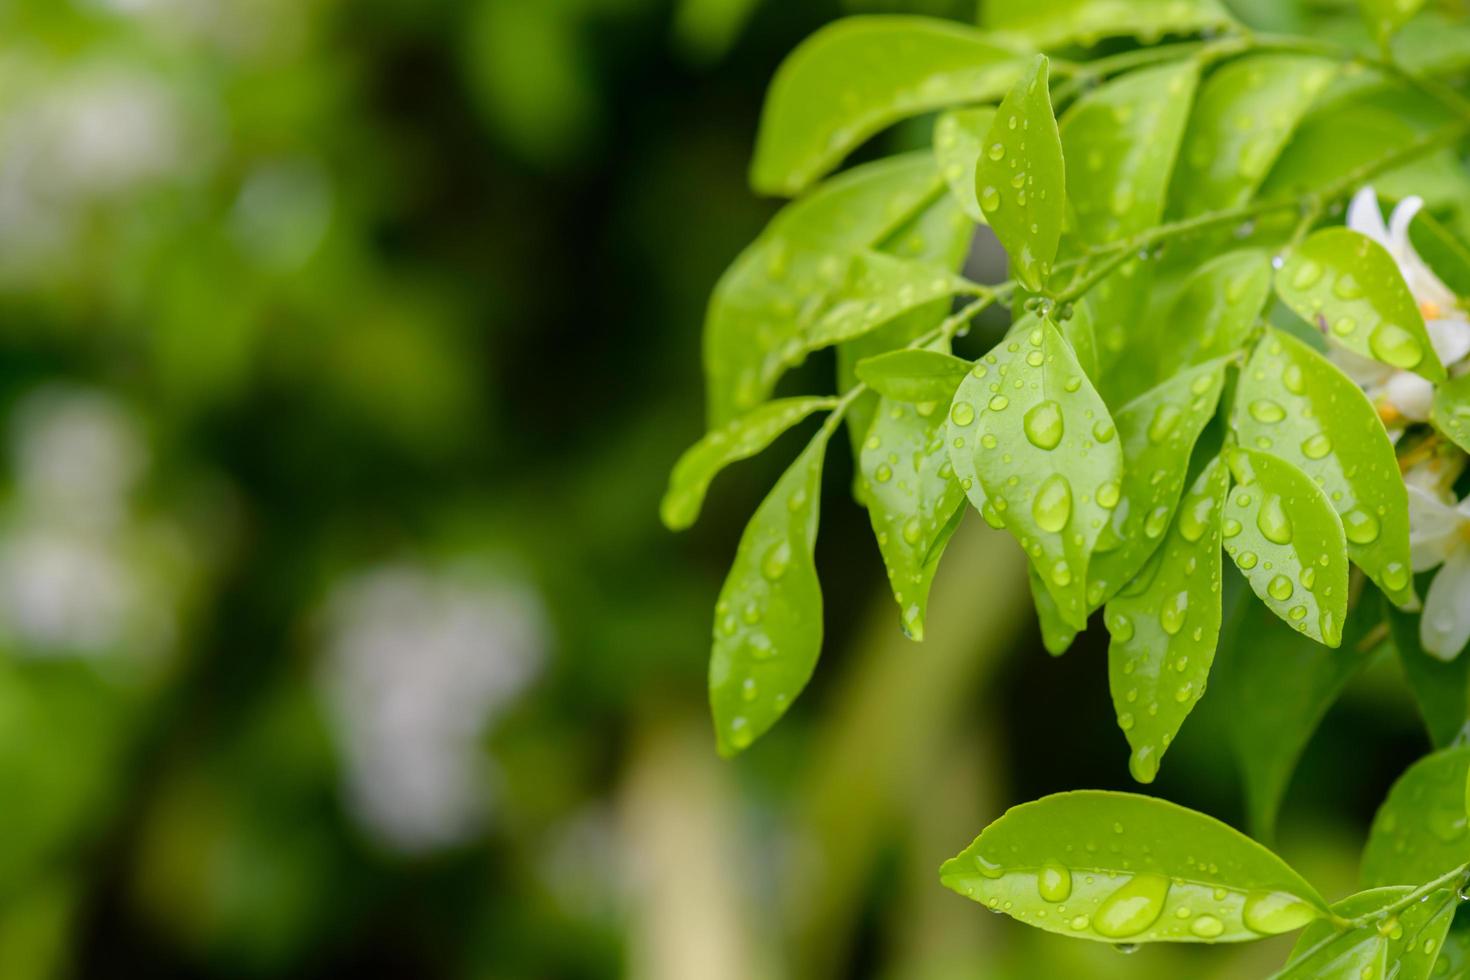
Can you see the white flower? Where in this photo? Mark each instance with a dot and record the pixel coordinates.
(1439, 534)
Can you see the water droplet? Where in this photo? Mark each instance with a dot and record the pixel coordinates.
(1133, 907)
(962, 414)
(998, 403)
(776, 560)
(1080, 922)
(1306, 275)
(1394, 345)
(1043, 424)
(883, 473)
(1246, 560)
(1280, 588)
(1108, 494)
(1265, 410)
(1272, 913)
(1156, 522)
(996, 151)
(1207, 927)
(1166, 417)
(1103, 430)
(1395, 576)
(1194, 517)
(1121, 627)
(990, 199)
(1360, 526)
(1293, 379)
(1272, 521)
(1052, 507)
(1230, 528)
(1317, 446)
(912, 531)
(1347, 287)
(1054, 882)
(1171, 616)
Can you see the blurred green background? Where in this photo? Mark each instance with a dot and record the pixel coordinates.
(344, 349)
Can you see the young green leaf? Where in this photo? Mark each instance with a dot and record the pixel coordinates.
(911, 496)
(1245, 113)
(1285, 538)
(1158, 430)
(1450, 412)
(859, 75)
(1401, 944)
(959, 136)
(1445, 254)
(768, 620)
(1056, 633)
(1021, 181)
(1217, 309)
(1277, 685)
(878, 289)
(1165, 626)
(1054, 23)
(1419, 832)
(1453, 962)
(1347, 286)
(1122, 140)
(914, 375)
(767, 300)
(1293, 403)
(1385, 17)
(1116, 867)
(1030, 424)
(1441, 688)
(1081, 333)
(740, 439)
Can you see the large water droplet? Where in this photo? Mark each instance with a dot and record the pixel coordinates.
(1272, 521)
(1194, 517)
(990, 199)
(1054, 882)
(1166, 417)
(1171, 616)
(1360, 526)
(1052, 507)
(1317, 446)
(1207, 927)
(1156, 521)
(1306, 275)
(1043, 424)
(1280, 588)
(777, 559)
(1265, 410)
(1271, 913)
(1394, 345)
(1133, 907)
(962, 414)
(1108, 494)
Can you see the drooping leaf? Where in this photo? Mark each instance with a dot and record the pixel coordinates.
(1441, 688)
(1450, 412)
(1053, 23)
(1245, 113)
(768, 620)
(740, 439)
(1120, 141)
(1347, 286)
(1402, 945)
(1021, 181)
(1157, 430)
(1165, 626)
(1056, 633)
(914, 375)
(1294, 404)
(1030, 425)
(859, 75)
(879, 288)
(1419, 832)
(911, 496)
(1278, 685)
(1385, 17)
(1285, 538)
(1445, 254)
(778, 287)
(1116, 867)
(959, 136)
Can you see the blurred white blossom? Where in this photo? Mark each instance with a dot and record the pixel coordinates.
(1440, 536)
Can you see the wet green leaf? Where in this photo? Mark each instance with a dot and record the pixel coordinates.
(1349, 287)
(1278, 685)
(1158, 430)
(879, 288)
(1402, 945)
(740, 439)
(1441, 688)
(1217, 309)
(1021, 181)
(1056, 633)
(779, 286)
(1028, 422)
(1245, 113)
(1385, 17)
(914, 375)
(859, 75)
(1165, 625)
(1419, 832)
(1116, 867)
(911, 496)
(1120, 142)
(1445, 254)
(1293, 403)
(1053, 23)
(1285, 538)
(1081, 332)
(768, 620)
(1454, 955)
(959, 136)
(1450, 412)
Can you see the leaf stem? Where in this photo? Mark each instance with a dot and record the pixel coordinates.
(1455, 880)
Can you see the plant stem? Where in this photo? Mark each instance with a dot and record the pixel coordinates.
(1453, 880)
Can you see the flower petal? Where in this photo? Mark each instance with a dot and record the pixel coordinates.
(1410, 394)
(1451, 340)
(1433, 528)
(1364, 217)
(1422, 282)
(1444, 628)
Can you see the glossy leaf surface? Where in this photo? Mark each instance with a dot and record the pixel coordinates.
(1419, 832)
(1402, 945)
(1051, 23)
(1166, 624)
(1451, 410)
(1284, 536)
(1347, 286)
(1385, 17)
(1021, 181)
(879, 288)
(1116, 867)
(861, 74)
(768, 620)
(959, 137)
(914, 375)
(1217, 309)
(740, 439)
(1293, 403)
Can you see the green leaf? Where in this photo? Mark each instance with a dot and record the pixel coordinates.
(779, 286)
(959, 136)
(1218, 307)
(1450, 412)
(1028, 422)
(1080, 331)
(1441, 251)
(914, 375)
(1056, 633)
(857, 76)
(768, 620)
(1293, 403)
(1385, 17)
(1277, 685)
(1158, 431)
(1121, 141)
(1116, 867)
(1454, 956)
(740, 439)
(1245, 113)
(1441, 688)
(1053, 23)
(911, 496)
(1165, 626)
(1401, 945)
(1348, 286)
(1419, 832)
(879, 288)
(1021, 181)
(1285, 538)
